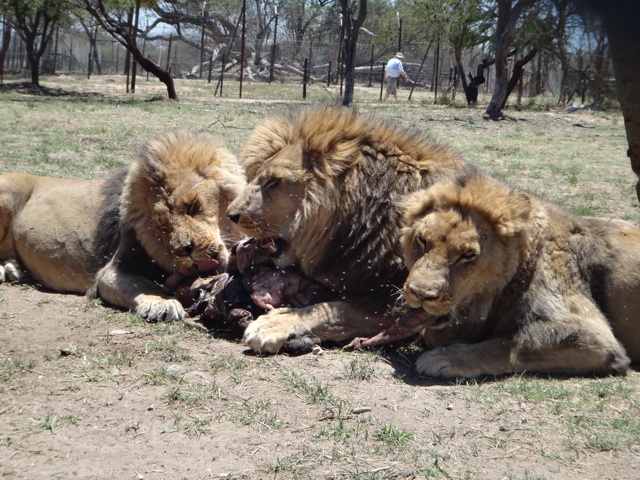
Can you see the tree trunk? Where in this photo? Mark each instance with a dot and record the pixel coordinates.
(516, 75)
(620, 18)
(6, 40)
(351, 31)
(508, 15)
(153, 68)
(34, 61)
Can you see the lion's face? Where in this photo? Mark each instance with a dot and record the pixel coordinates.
(461, 246)
(268, 204)
(176, 198)
(190, 226)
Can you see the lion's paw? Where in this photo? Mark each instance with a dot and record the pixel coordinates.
(270, 332)
(9, 272)
(157, 309)
(447, 362)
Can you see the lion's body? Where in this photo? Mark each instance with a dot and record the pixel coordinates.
(128, 238)
(323, 180)
(512, 284)
(50, 225)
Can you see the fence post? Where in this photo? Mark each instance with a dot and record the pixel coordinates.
(305, 76)
(382, 66)
(371, 67)
(273, 48)
(329, 74)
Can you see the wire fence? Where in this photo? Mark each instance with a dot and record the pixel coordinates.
(314, 61)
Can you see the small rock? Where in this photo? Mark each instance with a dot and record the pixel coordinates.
(449, 406)
(359, 410)
(174, 370)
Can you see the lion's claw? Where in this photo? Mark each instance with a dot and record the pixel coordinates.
(165, 310)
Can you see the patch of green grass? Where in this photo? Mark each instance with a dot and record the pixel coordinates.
(192, 395)
(315, 391)
(230, 364)
(392, 437)
(10, 368)
(197, 426)
(361, 367)
(50, 421)
(252, 412)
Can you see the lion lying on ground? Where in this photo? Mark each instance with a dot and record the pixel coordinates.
(322, 180)
(512, 284)
(162, 218)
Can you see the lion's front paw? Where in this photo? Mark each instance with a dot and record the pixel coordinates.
(9, 272)
(270, 332)
(447, 362)
(158, 309)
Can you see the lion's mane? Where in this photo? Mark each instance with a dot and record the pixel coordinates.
(345, 232)
(168, 164)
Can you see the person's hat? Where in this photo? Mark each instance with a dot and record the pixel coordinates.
(399, 55)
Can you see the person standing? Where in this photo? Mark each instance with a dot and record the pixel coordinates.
(392, 71)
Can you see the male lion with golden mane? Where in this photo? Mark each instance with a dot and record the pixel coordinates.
(128, 238)
(509, 283)
(322, 181)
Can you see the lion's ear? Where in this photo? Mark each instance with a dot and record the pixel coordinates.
(415, 205)
(516, 216)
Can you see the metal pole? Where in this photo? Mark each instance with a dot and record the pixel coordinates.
(242, 39)
(437, 70)
(273, 47)
(204, 16)
(305, 76)
(371, 68)
(169, 51)
(134, 66)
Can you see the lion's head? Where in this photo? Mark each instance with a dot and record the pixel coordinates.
(322, 180)
(175, 199)
(462, 244)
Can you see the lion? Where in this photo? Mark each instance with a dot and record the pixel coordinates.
(509, 283)
(321, 180)
(129, 238)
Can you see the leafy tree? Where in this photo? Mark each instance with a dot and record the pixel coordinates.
(35, 22)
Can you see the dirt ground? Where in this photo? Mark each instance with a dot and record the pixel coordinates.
(89, 392)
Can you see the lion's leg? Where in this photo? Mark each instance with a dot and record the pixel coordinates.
(579, 346)
(135, 292)
(334, 321)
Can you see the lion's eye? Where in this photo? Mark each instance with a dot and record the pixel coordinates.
(193, 209)
(271, 183)
(421, 245)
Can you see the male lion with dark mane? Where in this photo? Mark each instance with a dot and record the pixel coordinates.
(509, 283)
(128, 238)
(322, 181)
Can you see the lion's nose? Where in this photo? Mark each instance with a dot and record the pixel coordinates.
(234, 217)
(426, 294)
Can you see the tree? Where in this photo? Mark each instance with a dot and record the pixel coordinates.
(351, 30)
(508, 15)
(35, 22)
(6, 40)
(620, 20)
(117, 18)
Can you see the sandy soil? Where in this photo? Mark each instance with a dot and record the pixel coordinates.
(88, 392)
